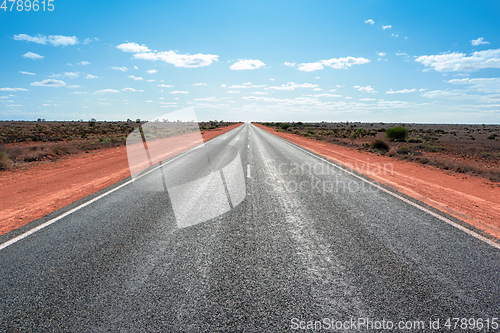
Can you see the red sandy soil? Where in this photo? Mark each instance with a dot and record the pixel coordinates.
(471, 199)
(42, 188)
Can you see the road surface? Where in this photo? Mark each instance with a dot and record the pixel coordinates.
(305, 243)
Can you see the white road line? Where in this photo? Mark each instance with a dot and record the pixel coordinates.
(248, 146)
(49, 222)
(442, 218)
(248, 171)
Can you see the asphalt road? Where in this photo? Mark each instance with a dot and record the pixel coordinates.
(290, 238)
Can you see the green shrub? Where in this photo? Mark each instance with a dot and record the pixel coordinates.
(360, 132)
(398, 133)
(380, 145)
(492, 136)
(284, 126)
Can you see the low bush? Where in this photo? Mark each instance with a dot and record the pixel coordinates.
(380, 145)
(398, 133)
(415, 140)
(5, 162)
(403, 150)
(492, 136)
(462, 169)
(432, 148)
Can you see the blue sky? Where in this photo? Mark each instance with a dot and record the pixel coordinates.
(391, 61)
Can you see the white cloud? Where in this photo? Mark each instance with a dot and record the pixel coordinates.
(90, 76)
(441, 93)
(367, 99)
(55, 40)
(132, 47)
(83, 63)
(74, 86)
(199, 84)
(484, 85)
(179, 92)
(180, 60)
(290, 64)
(129, 89)
(246, 86)
(107, 91)
(381, 54)
(123, 69)
(90, 40)
(401, 54)
(71, 75)
(26, 73)
(404, 91)
(39, 39)
(208, 99)
(233, 92)
(49, 83)
(62, 40)
(370, 21)
(243, 64)
(32, 55)
(386, 27)
(165, 85)
(336, 63)
(152, 71)
(367, 89)
(137, 78)
(13, 89)
(451, 62)
(293, 86)
(310, 67)
(326, 95)
(479, 41)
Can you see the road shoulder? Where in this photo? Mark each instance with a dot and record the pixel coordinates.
(468, 198)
